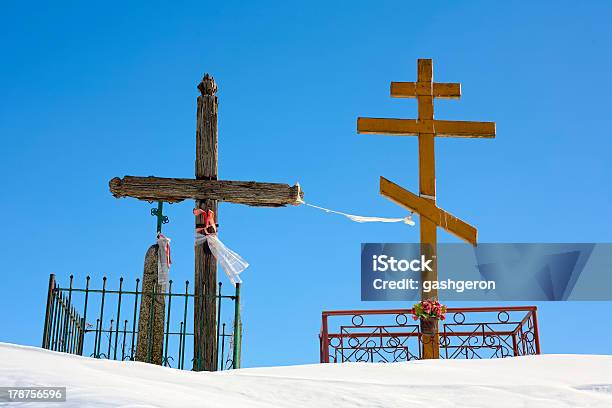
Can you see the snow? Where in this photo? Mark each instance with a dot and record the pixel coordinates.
(535, 381)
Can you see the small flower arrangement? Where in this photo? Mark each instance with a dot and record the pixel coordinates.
(429, 309)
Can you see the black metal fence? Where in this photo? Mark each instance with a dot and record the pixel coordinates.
(92, 322)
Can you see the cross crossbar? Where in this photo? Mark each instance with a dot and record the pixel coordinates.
(414, 89)
(413, 127)
(428, 209)
(174, 190)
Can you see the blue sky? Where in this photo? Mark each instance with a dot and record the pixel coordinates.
(93, 91)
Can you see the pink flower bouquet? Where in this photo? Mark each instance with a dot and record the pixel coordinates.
(429, 309)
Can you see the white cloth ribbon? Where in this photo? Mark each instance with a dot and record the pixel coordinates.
(163, 260)
(231, 262)
(360, 218)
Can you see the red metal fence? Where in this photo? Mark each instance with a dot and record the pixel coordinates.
(392, 335)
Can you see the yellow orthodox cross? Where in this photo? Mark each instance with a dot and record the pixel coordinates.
(427, 128)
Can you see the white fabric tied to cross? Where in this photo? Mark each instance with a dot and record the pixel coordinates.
(360, 218)
(163, 260)
(231, 262)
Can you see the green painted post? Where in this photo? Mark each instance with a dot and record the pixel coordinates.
(237, 329)
(50, 298)
(159, 214)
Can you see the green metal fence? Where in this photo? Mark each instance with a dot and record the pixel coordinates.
(92, 322)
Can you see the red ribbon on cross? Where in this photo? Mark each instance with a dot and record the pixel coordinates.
(230, 261)
(209, 221)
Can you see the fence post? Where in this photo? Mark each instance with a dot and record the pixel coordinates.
(118, 318)
(324, 340)
(184, 327)
(82, 336)
(84, 319)
(515, 349)
(57, 299)
(218, 324)
(222, 346)
(165, 361)
(237, 329)
(97, 350)
(45, 341)
(67, 317)
(536, 333)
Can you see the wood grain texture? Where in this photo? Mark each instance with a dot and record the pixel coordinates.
(440, 90)
(447, 90)
(207, 137)
(178, 189)
(427, 185)
(424, 70)
(206, 165)
(407, 127)
(427, 168)
(460, 128)
(414, 127)
(426, 208)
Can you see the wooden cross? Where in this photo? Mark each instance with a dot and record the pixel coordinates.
(207, 191)
(424, 204)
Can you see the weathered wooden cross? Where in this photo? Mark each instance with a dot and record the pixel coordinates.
(207, 191)
(427, 128)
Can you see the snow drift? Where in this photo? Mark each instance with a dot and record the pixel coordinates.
(534, 381)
